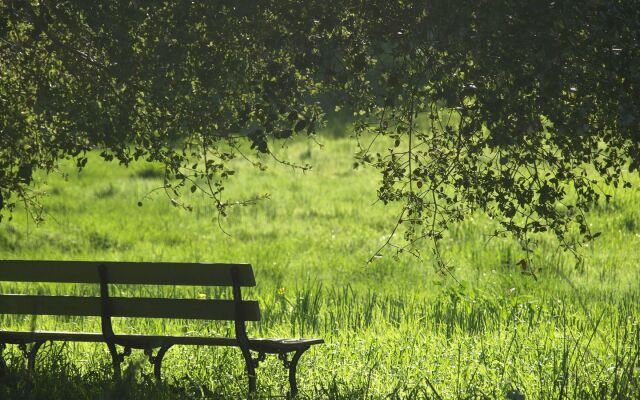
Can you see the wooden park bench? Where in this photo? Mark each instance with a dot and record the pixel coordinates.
(106, 273)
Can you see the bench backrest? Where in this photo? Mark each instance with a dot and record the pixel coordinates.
(105, 273)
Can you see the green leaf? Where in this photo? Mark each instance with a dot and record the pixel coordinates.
(283, 133)
(25, 173)
(300, 125)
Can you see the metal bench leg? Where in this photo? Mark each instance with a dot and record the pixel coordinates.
(30, 353)
(292, 366)
(157, 360)
(31, 356)
(3, 364)
(251, 371)
(117, 358)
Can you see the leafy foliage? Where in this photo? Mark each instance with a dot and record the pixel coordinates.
(179, 84)
(506, 107)
(520, 109)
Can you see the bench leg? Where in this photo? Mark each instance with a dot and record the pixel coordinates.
(292, 366)
(30, 353)
(31, 356)
(157, 360)
(251, 371)
(3, 364)
(117, 358)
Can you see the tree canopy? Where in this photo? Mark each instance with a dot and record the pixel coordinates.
(520, 109)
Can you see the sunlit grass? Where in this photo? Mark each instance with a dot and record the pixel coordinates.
(395, 328)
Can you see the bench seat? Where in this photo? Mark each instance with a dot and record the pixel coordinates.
(261, 345)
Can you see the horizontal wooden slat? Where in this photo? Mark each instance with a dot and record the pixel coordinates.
(134, 341)
(221, 310)
(125, 272)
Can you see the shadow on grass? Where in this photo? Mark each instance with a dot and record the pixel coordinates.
(20, 384)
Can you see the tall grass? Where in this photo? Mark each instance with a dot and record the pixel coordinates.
(395, 329)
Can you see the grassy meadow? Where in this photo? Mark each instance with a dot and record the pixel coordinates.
(394, 329)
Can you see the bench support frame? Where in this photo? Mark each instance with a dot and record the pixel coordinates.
(156, 360)
(292, 365)
(241, 334)
(3, 364)
(29, 353)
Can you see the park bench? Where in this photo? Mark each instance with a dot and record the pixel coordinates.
(155, 346)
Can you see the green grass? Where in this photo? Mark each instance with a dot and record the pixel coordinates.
(395, 329)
